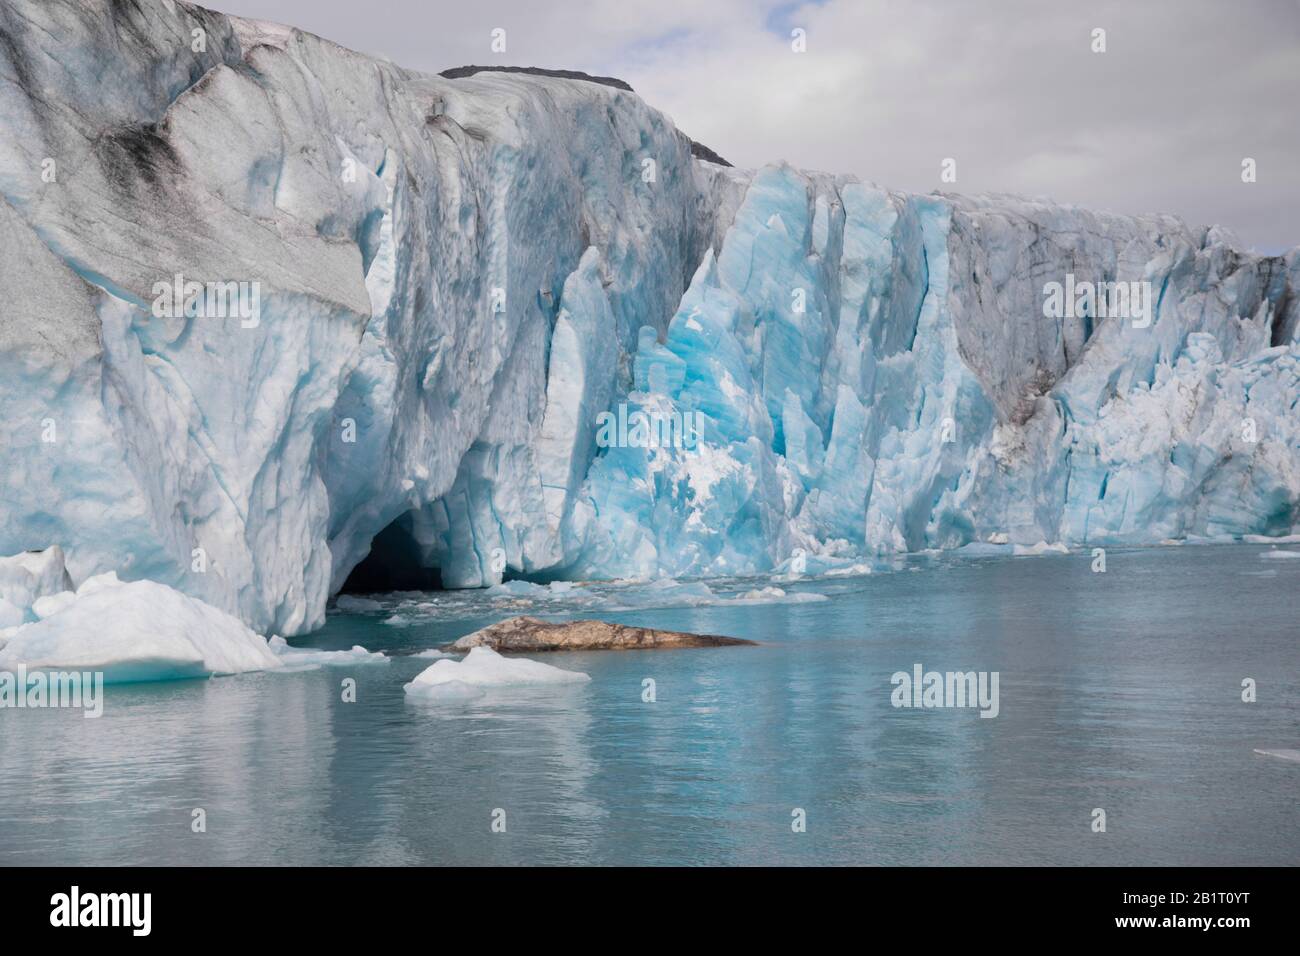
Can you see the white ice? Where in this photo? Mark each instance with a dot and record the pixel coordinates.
(310, 657)
(137, 631)
(482, 669)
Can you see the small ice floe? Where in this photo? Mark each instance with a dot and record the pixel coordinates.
(774, 595)
(852, 571)
(1041, 548)
(304, 658)
(484, 669)
(1280, 553)
(982, 549)
(519, 589)
(668, 593)
(1280, 754)
(803, 565)
(433, 653)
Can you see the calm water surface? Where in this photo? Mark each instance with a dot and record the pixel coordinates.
(1119, 690)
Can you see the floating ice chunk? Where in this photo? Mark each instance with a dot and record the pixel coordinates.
(309, 657)
(556, 590)
(1041, 548)
(774, 595)
(985, 548)
(513, 589)
(433, 653)
(1280, 553)
(667, 593)
(485, 668)
(607, 597)
(852, 571)
(137, 632)
(1281, 754)
(818, 565)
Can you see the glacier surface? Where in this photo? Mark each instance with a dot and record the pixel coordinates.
(456, 277)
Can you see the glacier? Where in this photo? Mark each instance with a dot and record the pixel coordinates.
(457, 275)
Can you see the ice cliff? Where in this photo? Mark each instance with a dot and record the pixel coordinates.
(456, 276)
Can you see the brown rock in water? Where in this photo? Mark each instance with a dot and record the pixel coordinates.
(534, 634)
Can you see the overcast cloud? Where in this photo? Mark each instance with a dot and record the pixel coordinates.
(887, 89)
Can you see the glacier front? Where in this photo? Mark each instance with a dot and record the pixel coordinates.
(455, 281)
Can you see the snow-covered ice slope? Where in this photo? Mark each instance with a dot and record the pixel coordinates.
(455, 278)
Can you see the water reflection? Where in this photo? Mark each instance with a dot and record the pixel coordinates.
(1119, 691)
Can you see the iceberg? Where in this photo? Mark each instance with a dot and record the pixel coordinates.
(481, 669)
(306, 658)
(457, 279)
(136, 631)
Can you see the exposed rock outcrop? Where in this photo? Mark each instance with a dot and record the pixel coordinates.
(533, 634)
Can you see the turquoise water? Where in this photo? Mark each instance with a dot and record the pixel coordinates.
(1119, 691)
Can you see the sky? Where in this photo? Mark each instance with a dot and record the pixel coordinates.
(1012, 90)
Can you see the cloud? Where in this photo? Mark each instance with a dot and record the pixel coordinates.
(887, 89)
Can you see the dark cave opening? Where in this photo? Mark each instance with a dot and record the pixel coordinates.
(393, 564)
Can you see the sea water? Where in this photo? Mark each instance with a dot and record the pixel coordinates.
(1119, 691)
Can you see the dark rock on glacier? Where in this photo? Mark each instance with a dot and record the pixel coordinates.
(457, 72)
